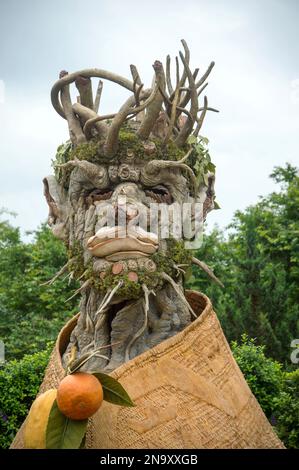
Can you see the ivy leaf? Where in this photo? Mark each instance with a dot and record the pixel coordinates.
(199, 149)
(113, 390)
(207, 159)
(199, 179)
(62, 432)
(211, 167)
(192, 139)
(216, 205)
(83, 443)
(206, 179)
(203, 139)
(197, 166)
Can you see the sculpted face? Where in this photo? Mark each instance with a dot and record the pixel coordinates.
(124, 216)
(111, 217)
(124, 199)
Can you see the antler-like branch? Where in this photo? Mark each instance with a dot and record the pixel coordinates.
(137, 81)
(83, 85)
(168, 76)
(87, 114)
(187, 60)
(84, 112)
(75, 130)
(93, 121)
(184, 75)
(186, 97)
(98, 96)
(201, 118)
(178, 99)
(154, 108)
(188, 126)
(135, 74)
(205, 75)
(172, 119)
(87, 73)
(127, 109)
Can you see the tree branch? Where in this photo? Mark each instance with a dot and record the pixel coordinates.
(75, 130)
(83, 85)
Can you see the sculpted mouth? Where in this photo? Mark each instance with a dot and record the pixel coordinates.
(122, 242)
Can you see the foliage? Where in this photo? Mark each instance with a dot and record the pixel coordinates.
(200, 159)
(62, 432)
(114, 392)
(258, 263)
(19, 384)
(276, 391)
(263, 375)
(31, 314)
(63, 154)
(286, 410)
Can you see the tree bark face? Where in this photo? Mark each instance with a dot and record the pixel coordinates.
(131, 276)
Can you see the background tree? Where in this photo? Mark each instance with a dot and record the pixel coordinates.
(31, 314)
(259, 265)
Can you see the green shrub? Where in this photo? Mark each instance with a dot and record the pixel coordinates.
(31, 313)
(263, 375)
(19, 384)
(287, 410)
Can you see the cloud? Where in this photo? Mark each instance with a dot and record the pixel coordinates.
(252, 84)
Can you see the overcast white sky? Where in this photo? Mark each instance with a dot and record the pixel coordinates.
(255, 83)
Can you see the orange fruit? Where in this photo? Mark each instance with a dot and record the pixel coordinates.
(79, 395)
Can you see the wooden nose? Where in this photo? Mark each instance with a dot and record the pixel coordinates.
(125, 212)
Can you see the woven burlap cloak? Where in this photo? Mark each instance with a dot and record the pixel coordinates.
(189, 393)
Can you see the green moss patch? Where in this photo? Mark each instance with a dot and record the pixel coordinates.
(165, 261)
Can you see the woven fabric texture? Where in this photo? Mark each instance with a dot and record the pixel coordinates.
(189, 393)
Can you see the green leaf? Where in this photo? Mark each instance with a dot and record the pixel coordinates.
(188, 276)
(192, 139)
(199, 179)
(211, 167)
(113, 390)
(62, 432)
(199, 149)
(216, 205)
(206, 179)
(205, 140)
(83, 443)
(207, 158)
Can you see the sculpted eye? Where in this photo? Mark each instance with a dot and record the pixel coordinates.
(159, 194)
(98, 195)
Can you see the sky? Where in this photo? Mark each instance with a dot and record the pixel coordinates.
(254, 84)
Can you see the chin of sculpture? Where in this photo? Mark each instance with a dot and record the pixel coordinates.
(120, 182)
